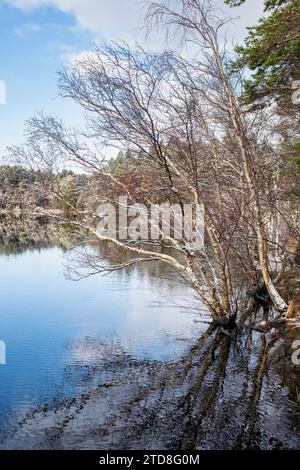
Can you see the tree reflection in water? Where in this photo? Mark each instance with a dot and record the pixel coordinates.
(226, 392)
(232, 389)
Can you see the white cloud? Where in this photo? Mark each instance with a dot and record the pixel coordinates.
(120, 18)
(27, 28)
(93, 15)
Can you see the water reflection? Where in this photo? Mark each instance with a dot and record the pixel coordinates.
(137, 386)
(42, 312)
(19, 235)
(221, 394)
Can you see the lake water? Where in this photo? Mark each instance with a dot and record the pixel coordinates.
(45, 317)
(140, 333)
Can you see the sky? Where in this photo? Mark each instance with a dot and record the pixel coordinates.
(38, 36)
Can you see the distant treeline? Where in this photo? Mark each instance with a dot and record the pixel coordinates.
(28, 190)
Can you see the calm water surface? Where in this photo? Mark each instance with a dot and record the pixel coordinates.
(45, 318)
(64, 337)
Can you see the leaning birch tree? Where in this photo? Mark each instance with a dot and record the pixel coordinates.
(183, 118)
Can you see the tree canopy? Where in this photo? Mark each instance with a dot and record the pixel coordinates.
(272, 51)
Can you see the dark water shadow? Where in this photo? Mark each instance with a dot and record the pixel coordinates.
(224, 393)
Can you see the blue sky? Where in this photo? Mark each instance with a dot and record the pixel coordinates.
(37, 36)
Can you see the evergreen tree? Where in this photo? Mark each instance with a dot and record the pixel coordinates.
(272, 52)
